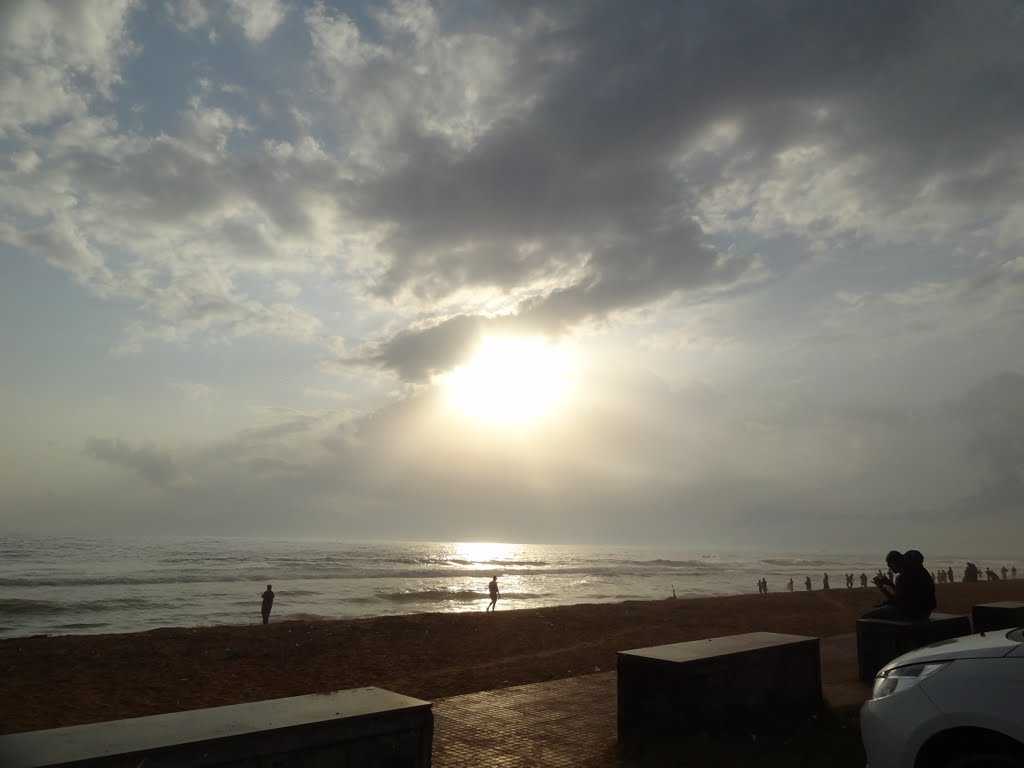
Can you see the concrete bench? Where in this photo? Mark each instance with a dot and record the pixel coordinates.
(879, 641)
(361, 726)
(988, 617)
(715, 685)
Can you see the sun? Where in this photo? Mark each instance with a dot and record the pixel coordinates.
(511, 380)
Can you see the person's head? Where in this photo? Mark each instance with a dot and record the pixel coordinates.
(913, 557)
(268, 586)
(894, 560)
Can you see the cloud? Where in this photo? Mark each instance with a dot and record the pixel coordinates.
(534, 168)
(148, 462)
(188, 14)
(654, 133)
(56, 58)
(530, 168)
(257, 18)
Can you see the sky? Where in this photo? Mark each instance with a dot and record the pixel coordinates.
(702, 274)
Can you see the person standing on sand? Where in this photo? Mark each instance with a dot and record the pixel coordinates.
(1005, 571)
(789, 585)
(824, 582)
(863, 581)
(493, 589)
(807, 583)
(268, 603)
(949, 575)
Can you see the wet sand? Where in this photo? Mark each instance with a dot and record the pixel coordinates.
(55, 681)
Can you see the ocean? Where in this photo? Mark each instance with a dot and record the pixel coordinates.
(77, 585)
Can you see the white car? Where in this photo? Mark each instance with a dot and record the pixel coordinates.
(954, 704)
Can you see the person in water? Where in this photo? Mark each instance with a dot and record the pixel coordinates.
(268, 604)
(493, 589)
(910, 595)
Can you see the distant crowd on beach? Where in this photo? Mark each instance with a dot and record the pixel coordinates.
(971, 573)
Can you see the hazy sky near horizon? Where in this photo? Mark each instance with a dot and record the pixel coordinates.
(769, 254)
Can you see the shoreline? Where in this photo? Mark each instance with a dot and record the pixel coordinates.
(58, 680)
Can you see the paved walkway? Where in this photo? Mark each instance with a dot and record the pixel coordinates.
(571, 722)
(568, 722)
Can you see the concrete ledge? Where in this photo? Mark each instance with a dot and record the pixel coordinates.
(360, 726)
(720, 684)
(879, 641)
(988, 617)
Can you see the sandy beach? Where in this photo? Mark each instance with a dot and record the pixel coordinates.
(65, 680)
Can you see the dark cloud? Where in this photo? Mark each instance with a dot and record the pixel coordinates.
(605, 173)
(150, 463)
(415, 355)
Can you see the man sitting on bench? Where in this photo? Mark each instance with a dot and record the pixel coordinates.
(910, 596)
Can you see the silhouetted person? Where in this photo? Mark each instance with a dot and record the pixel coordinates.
(1013, 572)
(824, 582)
(268, 604)
(949, 575)
(991, 575)
(493, 589)
(911, 595)
(863, 581)
(1005, 571)
(971, 573)
(807, 583)
(764, 587)
(789, 585)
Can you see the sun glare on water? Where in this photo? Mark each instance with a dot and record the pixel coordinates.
(511, 380)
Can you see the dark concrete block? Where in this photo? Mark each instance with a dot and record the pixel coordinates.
(988, 617)
(717, 685)
(880, 641)
(358, 727)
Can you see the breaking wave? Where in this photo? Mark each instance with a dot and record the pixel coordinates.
(454, 595)
(16, 606)
(638, 568)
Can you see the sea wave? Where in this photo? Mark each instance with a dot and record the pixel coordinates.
(447, 561)
(796, 562)
(661, 562)
(641, 569)
(453, 595)
(17, 606)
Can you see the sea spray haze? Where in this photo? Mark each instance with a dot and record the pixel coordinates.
(75, 585)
